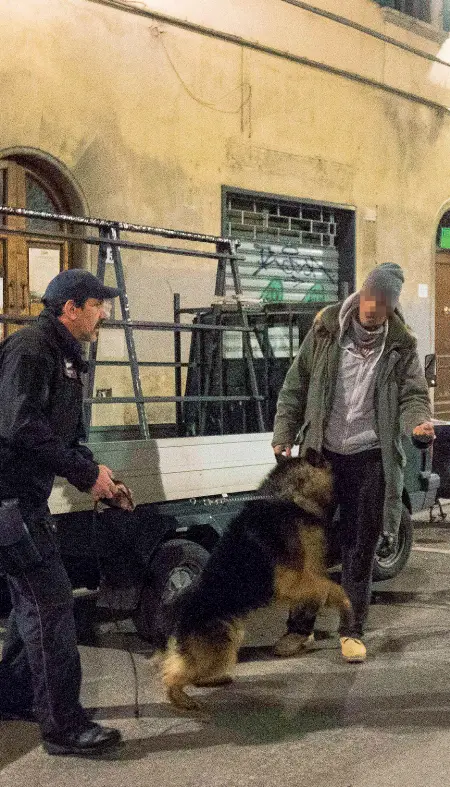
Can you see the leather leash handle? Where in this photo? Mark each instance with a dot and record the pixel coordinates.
(112, 502)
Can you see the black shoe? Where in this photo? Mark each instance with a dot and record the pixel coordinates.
(93, 739)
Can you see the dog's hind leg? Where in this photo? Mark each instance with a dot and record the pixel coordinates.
(176, 674)
(200, 661)
(218, 668)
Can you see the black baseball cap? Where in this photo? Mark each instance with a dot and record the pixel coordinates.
(77, 284)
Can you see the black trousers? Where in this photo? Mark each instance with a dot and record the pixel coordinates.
(40, 665)
(360, 489)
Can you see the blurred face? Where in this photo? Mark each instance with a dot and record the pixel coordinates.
(373, 309)
(84, 322)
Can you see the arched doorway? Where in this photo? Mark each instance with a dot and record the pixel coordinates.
(442, 319)
(29, 259)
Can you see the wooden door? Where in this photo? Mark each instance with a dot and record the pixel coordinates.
(29, 260)
(442, 335)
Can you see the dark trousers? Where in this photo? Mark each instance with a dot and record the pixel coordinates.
(40, 665)
(359, 488)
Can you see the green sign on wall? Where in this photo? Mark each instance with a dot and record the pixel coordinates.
(445, 238)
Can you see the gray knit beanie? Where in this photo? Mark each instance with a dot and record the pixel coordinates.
(386, 279)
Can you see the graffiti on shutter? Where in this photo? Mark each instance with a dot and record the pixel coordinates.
(273, 273)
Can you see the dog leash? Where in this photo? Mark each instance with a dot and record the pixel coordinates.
(115, 503)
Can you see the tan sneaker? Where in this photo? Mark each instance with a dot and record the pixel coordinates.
(292, 644)
(353, 650)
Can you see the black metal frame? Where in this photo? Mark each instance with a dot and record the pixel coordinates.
(260, 321)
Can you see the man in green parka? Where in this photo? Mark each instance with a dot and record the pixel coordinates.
(355, 387)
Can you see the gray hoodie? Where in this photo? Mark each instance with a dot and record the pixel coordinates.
(351, 427)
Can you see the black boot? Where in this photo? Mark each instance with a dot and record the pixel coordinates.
(92, 739)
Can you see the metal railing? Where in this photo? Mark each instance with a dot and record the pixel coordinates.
(109, 245)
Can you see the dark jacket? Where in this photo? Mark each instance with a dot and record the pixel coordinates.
(401, 398)
(41, 421)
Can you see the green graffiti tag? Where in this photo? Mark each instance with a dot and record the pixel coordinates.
(316, 294)
(273, 292)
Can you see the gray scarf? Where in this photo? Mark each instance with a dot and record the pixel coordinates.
(365, 340)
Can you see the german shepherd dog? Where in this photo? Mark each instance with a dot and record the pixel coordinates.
(273, 551)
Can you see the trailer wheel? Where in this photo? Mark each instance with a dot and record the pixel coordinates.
(174, 566)
(388, 567)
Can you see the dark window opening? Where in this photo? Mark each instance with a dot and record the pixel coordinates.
(419, 9)
(38, 198)
(446, 15)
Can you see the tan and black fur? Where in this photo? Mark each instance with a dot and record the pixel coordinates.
(273, 551)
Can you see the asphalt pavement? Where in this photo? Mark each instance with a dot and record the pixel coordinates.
(312, 721)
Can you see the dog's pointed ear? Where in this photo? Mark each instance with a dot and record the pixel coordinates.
(313, 457)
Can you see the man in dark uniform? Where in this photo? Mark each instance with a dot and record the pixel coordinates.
(41, 427)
